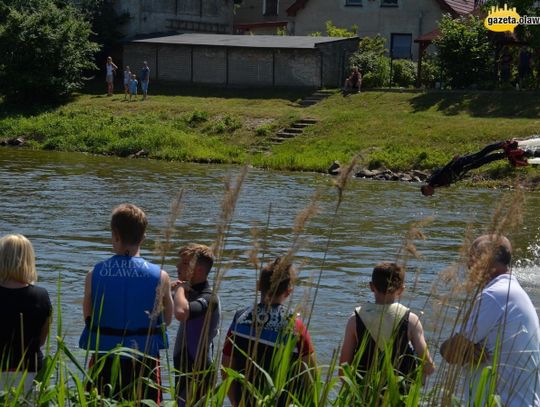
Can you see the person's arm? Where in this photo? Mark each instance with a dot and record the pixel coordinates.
(167, 300)
(46, 325)
(350, 342)
(181, 304)
(416, 335)
(458, 350)
(467, 346)
(87, 299)
(45, 331)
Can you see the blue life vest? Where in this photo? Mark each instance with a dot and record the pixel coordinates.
(124, 293)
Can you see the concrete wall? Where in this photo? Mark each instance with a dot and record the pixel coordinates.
(251, 67)
(335, 61)
(414, 17)
(136, 54)
(159, 16)
(222, 66)
(251, 11)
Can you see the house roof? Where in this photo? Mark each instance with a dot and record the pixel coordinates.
(260, 24)
(244, 41)
(456, 7)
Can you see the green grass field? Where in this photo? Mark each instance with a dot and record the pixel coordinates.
(401, 131)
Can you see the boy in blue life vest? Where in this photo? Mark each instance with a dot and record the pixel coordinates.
(197, 308)
(374, 326)
(259, 335)
(127, 303)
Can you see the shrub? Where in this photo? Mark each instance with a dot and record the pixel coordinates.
(45, 47)
(465, 53)
(403, 73)
(372, 61)
(430, 71)
(227, 124)
(196, 117)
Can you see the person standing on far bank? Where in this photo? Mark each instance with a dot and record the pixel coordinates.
(110, 69)
(145, 78)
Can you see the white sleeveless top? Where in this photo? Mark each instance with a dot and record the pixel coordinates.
(381, 320)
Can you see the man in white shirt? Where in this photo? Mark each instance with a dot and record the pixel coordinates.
(502, 331)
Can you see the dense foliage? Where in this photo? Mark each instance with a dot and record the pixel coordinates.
(465, 52)
(45, 47)
(372, 60)
(403, 73)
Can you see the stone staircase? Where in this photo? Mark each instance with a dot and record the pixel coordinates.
(316, 97)
(296, 129)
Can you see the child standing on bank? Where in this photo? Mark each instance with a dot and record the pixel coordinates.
(133, 84)
(383, 323)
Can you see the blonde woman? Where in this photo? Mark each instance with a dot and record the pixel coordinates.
(26, 313)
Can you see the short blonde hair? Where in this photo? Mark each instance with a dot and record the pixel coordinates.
(17, 259)
(204, 255)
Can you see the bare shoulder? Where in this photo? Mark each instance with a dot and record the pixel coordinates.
(165, 279)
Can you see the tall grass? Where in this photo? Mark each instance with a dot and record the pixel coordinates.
(64, 380)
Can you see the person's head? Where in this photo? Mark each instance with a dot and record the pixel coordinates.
(388, 279)
(17, 259)
(427, 190)
(276, 280)
(491, 254)
(109, 59)
(127, 68)
(128, 225)
(194, 263)
(355, 69)
(133, 76)
(145, 63)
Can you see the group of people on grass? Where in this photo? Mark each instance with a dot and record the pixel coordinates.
(130, 81)
(129, 301)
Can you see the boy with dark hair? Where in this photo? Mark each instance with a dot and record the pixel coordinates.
(127, 303)
(198, 310)
(258, 334)
(386, 322)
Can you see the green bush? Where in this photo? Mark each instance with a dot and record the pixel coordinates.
(403, 73)
(465, 52)
(430, 71)
(45, 47)
(197, 117)
(372, 62)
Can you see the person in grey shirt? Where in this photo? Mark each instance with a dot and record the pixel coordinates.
(197, 308)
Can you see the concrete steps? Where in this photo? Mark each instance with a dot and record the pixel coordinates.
(296, 129)
(316, 97)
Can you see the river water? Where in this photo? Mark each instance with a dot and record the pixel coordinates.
(62, 203)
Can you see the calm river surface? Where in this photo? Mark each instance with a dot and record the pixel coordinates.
(62, 203)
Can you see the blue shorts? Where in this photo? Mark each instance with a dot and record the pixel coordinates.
(144, 86)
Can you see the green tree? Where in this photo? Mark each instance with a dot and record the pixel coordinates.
(106, 23)
(45, 47)
(465, 52)
(333, 31)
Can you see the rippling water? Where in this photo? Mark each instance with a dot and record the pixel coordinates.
(62, 202)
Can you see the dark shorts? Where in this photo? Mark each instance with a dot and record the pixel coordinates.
(128, 380)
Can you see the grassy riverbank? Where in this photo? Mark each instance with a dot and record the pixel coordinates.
(401, 131)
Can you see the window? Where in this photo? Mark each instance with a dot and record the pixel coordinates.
(353, 2)
(400, 46)
(389, 3)
(270, 7)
